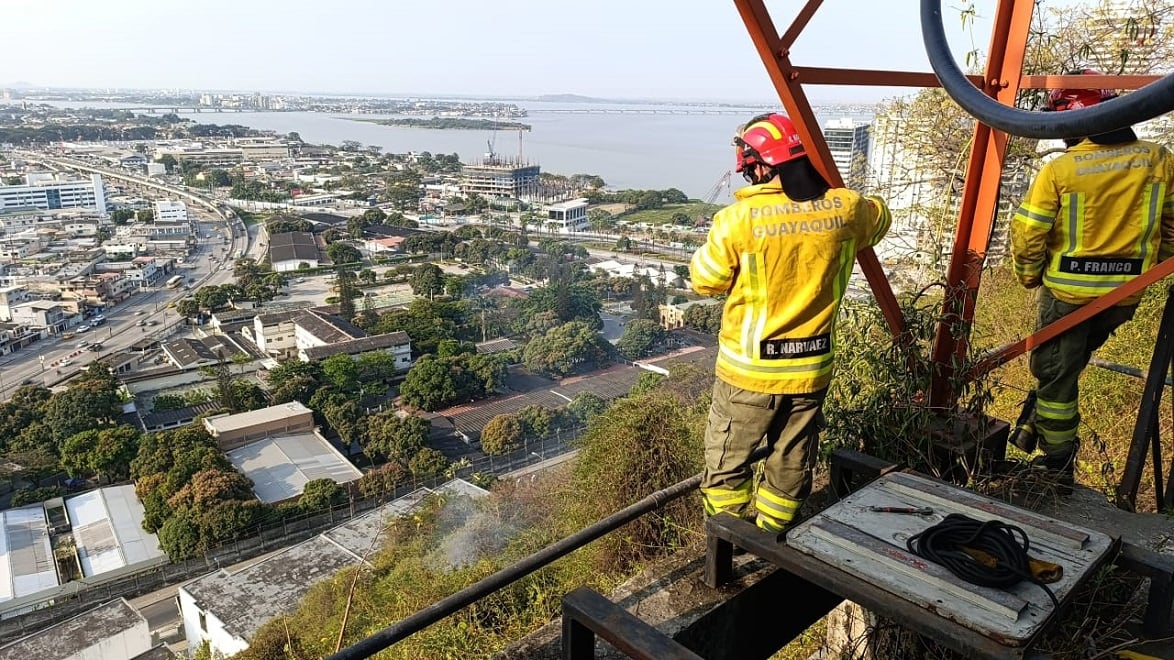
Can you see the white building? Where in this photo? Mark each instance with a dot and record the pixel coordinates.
(108, 531)
(849, 142)
(10, 297)
(113, 630)
(171, 210)
(26, 558)
(566, 217)
(228, 608)
(54, 192)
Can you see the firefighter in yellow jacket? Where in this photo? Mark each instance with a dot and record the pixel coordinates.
(782, 253)
(1095, 217)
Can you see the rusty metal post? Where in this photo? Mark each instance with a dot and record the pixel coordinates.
(980, 199)
(775, 54)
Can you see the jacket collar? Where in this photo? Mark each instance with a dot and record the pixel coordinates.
(770, 188)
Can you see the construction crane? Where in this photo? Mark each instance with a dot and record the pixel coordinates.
(722, 182)
(491, 155)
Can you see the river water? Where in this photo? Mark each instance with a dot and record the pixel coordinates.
(686, 151)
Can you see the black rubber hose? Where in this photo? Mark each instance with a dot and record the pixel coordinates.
(1156, 98)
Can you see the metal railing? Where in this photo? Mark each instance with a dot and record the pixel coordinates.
(404, 628)
(420, 620)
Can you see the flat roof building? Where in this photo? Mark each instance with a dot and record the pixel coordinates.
(228, 608)
(26, 557)
(281, 466)
(108, 531)
(232, 431)
(53, 192)
(289, 250)
(171, 210)
(566, 217)
(108, 632)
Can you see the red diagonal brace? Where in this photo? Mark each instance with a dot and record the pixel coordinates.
(785, 78)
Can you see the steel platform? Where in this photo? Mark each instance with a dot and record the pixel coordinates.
(861, 555)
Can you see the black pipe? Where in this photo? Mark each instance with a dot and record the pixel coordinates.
(474, 592)
(1151, 101)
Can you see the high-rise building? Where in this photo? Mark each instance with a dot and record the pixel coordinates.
(52, 192)
(849, 142)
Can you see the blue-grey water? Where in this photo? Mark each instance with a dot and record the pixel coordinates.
(686, 151)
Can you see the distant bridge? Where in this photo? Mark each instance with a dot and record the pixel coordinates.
(646, 111)
(164, 109)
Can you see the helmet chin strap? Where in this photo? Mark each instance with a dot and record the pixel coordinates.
(753, 176)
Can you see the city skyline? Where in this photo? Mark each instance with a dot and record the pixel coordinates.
(619, 50)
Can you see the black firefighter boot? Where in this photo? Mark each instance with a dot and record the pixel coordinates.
(1023, 435)
(1060, 463)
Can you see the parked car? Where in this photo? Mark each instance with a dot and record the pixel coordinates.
(66, 363)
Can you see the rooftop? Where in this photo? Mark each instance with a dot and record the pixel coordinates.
(327, 328)
(293, 245)
(108, 530)
(72, 637)
(228, 423)
(280, 466)
(246, 599)
(360, 345)
(26, 558)
(188, 352)
(496, 346)
(169, 417)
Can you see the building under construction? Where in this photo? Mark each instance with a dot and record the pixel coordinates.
(497, 178)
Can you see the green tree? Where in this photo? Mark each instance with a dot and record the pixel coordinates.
(343, 253)
(344, 283)
(321, 494)
(501, 435)
(569, 348)
(428, 462)
(122, 216)
(430, 384)
(341, 372)
(188, 307)
(145, 215)
(585, 406)
(396, 438)
(168, 161)
(427, 280)
(640, 338)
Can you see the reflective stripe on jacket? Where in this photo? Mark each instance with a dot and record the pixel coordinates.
(1095, 217)
(785, 266)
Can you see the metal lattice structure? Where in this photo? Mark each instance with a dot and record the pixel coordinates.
(1002, 80)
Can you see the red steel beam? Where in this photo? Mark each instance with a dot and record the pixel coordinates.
(1011, 351)
(980, 198)
(1104, 82)
(776, 57)
(814, 75)
(800, 22)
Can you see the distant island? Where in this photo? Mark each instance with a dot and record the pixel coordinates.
(450, 123)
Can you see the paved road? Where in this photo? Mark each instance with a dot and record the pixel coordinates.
(40, 362)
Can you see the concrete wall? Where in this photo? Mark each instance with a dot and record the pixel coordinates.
(296, 424)
(126, 644)
(222, 643)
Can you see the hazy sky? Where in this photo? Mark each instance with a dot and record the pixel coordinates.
(687, 49)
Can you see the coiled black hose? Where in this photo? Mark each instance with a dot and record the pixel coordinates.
(944, 542)
(1151, 101)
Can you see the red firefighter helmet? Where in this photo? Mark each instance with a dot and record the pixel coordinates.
(770, 140)
(1075, 99)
